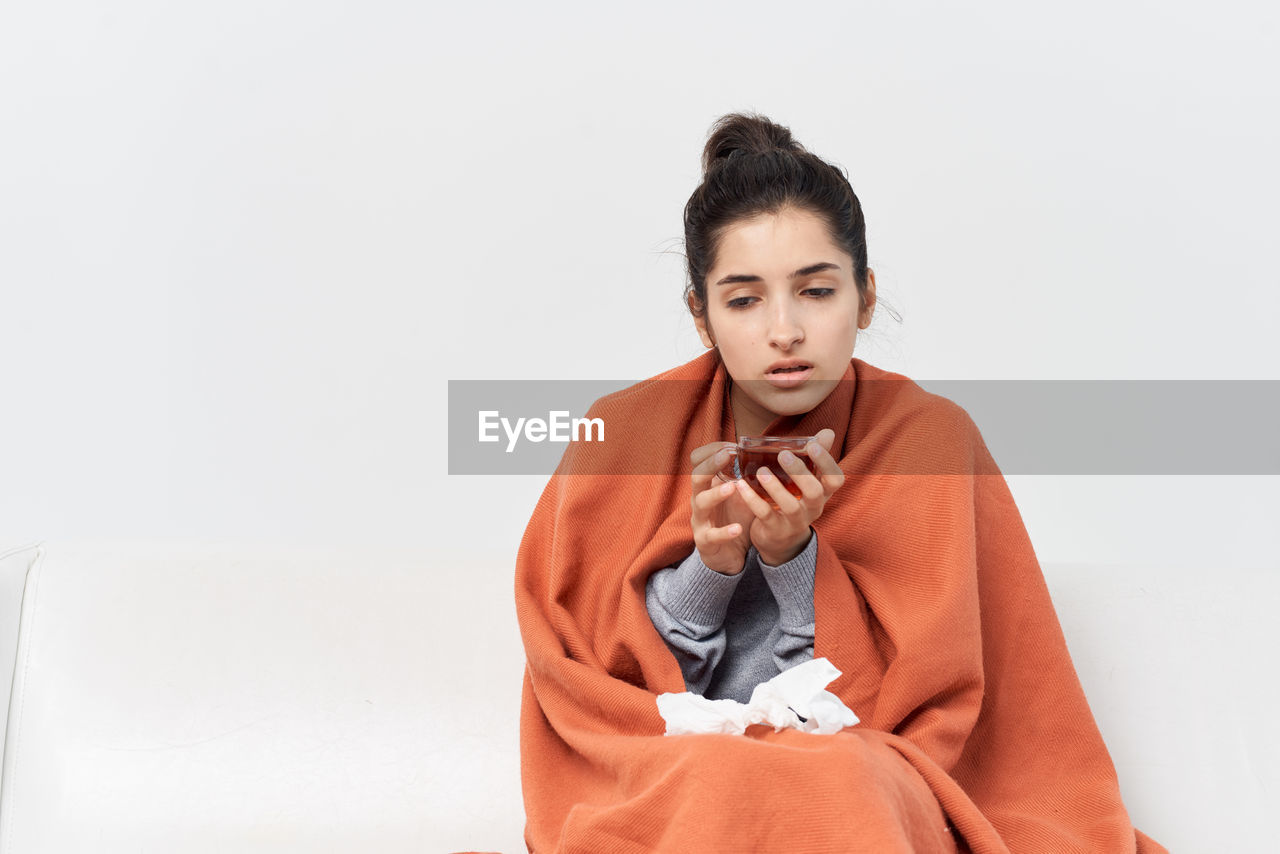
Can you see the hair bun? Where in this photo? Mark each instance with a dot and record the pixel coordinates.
(735, 134)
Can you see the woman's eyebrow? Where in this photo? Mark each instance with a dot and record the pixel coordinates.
(803, 271)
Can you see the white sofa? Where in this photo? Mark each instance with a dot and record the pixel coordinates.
(188, 697)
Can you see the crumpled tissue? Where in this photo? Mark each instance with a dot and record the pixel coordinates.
(794, 698)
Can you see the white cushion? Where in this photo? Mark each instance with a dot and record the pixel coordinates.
(14, 566)
(186, 698)
(194, 700)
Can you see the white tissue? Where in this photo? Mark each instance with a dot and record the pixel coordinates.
(795, 693)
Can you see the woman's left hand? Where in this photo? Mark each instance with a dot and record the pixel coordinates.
(779, 535)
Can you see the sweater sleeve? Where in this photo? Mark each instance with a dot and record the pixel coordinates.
(792, 586)
(687, 604)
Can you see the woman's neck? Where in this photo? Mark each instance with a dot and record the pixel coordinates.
(746, 421)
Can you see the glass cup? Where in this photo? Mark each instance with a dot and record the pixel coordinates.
(756, 451)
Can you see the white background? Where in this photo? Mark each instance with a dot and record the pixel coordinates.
(244, 246)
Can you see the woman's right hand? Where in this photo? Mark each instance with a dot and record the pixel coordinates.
(721, 519)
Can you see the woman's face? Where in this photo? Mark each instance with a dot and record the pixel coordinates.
(784, 309)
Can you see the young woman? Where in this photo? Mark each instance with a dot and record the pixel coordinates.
(903, 561)
(739, 609)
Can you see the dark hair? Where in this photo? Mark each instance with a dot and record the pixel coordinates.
(751, 166)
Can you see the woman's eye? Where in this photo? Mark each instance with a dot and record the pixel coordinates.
(816, 293)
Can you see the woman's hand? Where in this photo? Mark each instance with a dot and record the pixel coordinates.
(721, 520)
(779, 535)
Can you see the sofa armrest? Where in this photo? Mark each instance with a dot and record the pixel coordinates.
(16, 567)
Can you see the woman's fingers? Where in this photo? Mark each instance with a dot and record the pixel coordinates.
(700, 454)
(828, 470)
(704, 501)
(772, 483)
(714, 536)
(757, 505)
(798, 471)
(704, 532)
(709, 460)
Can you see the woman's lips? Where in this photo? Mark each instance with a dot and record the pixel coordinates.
(788, 379)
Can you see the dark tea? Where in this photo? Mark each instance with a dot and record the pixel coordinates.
(757, 451)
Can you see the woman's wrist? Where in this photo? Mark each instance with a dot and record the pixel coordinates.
(771, 559)
(723, 569)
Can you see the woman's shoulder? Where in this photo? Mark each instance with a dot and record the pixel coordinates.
(690, 378)
(924, 425)
(907, 399)
(652, 410)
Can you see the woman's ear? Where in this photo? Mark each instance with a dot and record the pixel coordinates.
(868, 301)
(700, 321)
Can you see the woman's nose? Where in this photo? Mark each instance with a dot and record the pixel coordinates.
(784, 327)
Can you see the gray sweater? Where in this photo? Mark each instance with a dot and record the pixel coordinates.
(729, 633)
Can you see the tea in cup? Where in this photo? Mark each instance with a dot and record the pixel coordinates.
(756, 451)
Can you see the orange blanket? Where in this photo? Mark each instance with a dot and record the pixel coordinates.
(975, 734)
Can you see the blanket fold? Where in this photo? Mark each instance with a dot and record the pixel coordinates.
(975, 734)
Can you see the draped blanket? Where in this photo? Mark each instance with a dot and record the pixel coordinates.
(975, 734)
